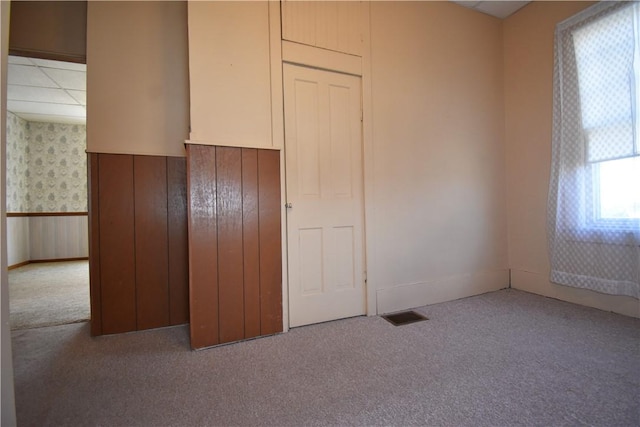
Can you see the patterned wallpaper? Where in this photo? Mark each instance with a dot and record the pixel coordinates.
(17, 173)
(53, 170)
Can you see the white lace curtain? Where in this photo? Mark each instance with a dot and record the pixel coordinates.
(594, 195)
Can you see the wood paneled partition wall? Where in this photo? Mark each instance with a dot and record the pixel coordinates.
(235, 250)
(49, 30)
(137, 242)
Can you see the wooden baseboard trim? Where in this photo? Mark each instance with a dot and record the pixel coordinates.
(35, 261)
(38, 261)
(37, 214)
(20, 264)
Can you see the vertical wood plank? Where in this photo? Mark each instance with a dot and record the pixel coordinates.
(270, 242)
(326, 17)
(250, 238)
(94, 244)
(230, 266)
(151, 248)
(203, 256)
(344, 27)
(117, 257)
(178, 240)
(299, 22)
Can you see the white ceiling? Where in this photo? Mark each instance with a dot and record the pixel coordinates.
(499, 9)
(40, 90)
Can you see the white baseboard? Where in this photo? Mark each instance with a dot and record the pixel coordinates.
(403, 297)
(538, 283)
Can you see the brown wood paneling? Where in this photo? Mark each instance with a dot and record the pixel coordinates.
(49, 30)
(203, 254)
(94, 245)
(38, 214)
(117, 257)
(235, 251)
(270, 242)
(250, 239)
(178, 240)
(151, 248)
(230, 267)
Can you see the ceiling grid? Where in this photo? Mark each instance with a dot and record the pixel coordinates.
(42, 90)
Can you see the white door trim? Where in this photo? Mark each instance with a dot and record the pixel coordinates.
(323, 143)
(277, 113)
(315, 57)
(368, 165)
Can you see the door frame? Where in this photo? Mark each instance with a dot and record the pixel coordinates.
(341, 207)
(282, 51)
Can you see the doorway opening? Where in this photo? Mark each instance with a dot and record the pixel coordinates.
(46, 188)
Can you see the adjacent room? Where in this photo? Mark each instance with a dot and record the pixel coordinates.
(334, 213)
(46, 188)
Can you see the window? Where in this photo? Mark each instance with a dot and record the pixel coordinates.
(594, 194)
(607, 59)
(616, 193)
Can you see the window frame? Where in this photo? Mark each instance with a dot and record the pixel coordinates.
(594, 219)
(592, 225)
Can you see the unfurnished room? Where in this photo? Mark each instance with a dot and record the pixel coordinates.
(320, 213)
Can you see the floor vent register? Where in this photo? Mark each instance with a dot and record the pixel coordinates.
(404, 318)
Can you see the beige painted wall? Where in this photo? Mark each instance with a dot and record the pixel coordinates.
(528, 62)
(230, 73)
(137, 78)
(439, 219)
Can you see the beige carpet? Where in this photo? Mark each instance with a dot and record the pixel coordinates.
(48, 294)
(507, 358)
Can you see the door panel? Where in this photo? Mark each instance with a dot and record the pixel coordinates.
(323, 141)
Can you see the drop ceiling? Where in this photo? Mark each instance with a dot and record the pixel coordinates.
(499, 9)
(40, 90)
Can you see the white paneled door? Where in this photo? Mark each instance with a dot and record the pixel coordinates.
(323, 146)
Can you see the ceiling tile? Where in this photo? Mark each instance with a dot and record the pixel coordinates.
(52, 119)
(59, 64)
(47, 109)
(47, 91)
(27, 76)
(39, 94)
(19, 60)
(79, 95)
(67, 79)
(500, 9)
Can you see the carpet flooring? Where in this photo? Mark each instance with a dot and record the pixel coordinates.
(500, 359)
(49, 293)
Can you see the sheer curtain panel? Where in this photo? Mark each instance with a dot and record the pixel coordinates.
(594, 195)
